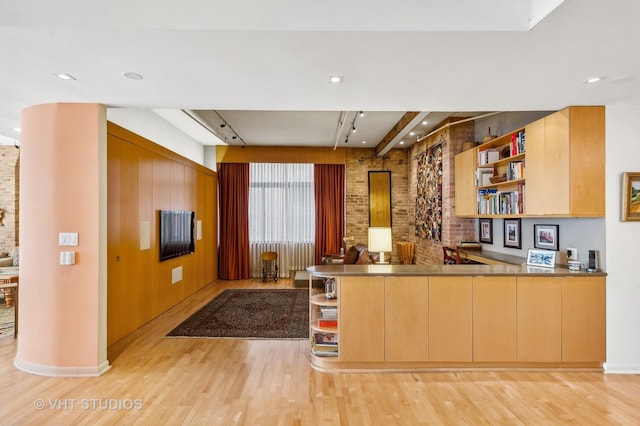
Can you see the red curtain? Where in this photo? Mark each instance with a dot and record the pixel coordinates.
(233, 252)
(329, 198)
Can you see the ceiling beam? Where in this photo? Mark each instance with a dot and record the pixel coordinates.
(408, 121)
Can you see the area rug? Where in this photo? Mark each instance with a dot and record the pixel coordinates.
(251, 314)
(6, 320)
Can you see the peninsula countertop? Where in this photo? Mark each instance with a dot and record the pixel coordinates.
(444, 270)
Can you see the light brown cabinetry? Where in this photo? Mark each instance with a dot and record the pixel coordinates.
(361, 321)
(406, 318)
(583, 319)
(564, 173)
(539, 319)
(456, 321)
(465, 186)
(565, 163)
(494, 319)
(450, 319)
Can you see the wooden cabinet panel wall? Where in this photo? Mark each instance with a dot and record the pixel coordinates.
(465, 185)
(539, 319)
(143, 178)
(406, 318)
(583, 319)
(450, 319)
(361, 318)
(494, 319)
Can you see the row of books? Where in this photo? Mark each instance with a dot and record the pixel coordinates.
(492, 201)
(515, 170)
(517, 143)
(488, 156)
(328, 316)
(324, 344)
(483, 174)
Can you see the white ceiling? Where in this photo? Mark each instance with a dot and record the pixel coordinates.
(251, 60)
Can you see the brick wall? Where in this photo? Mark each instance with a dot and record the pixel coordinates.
(454, 229)
(9, 184)
(359, 163)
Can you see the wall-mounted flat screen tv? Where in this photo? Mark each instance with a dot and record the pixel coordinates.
(176, 233)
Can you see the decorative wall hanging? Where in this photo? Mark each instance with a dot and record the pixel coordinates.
(429, 194)
(630, 196)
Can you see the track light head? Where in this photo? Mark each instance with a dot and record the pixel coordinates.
(222, 125)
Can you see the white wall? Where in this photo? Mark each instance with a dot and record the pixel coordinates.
(150, 125)
(623, 244)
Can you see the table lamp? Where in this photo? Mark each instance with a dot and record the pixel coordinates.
(380, 240)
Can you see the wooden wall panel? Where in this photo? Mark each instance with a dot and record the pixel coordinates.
(143, 178)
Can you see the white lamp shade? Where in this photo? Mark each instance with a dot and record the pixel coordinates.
(380, 239)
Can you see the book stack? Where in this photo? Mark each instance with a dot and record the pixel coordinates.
(328, 316)
(488, 156)
(517, 143)
(324, 344)
(483, 176)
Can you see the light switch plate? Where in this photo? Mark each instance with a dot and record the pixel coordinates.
(68, 239)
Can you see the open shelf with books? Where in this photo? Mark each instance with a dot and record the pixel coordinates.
(323, 319)
(500, 175)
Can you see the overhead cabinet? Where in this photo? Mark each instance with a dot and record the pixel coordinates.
(551, 167)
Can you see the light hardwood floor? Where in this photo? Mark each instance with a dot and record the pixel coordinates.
(156, 381)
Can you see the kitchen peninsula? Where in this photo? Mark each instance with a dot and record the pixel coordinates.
(446, 317)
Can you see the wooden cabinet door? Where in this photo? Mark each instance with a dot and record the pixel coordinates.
(539, 319)
(494, 319)
(583, 319)
(406, 318)
(465, 185)
(361, 319)
(450, 320)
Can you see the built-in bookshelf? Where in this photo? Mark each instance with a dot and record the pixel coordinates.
(324, 319)
(500, 175)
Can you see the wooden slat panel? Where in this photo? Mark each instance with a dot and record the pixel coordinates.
(583, 319)
(406, 318)
(494, 319)
(361, 318)
(539, 319)
(450, 319)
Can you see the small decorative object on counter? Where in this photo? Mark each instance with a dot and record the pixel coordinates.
(330, 289)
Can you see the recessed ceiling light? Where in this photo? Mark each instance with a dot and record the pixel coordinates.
(132, 75)
(412, 133)
(364, 141)
(335, 79)
(64, 76)
(401, 142)
(592, 80)
(425, 122)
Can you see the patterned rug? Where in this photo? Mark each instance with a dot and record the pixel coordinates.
(6, 319)
(251, 314)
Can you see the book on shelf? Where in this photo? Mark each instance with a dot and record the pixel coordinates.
(515, 170)
(323, 322)
(319, 352)
(488, 156)
(329, 312)
(325, 338)
(517, 145)
(484, 175)
(491, 201)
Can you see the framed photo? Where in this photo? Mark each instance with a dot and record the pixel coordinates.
(486, 230)
(544, 258)
(512, 233)
(630, 196)
(546, 237)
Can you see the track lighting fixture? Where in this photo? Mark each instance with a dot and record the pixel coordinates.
(353, 129)
(361, 113)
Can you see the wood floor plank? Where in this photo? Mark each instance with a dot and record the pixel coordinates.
(217, 381)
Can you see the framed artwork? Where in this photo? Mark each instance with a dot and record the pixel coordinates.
(486, 230)
(512, 233)
(630, 196)
(546, 237)
(544, 258)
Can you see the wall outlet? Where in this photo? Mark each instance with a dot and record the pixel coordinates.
(572, 253)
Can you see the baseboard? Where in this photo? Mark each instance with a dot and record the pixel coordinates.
(617, 368)
(55, 371)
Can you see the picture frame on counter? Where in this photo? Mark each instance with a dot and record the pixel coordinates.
(512, 235)
(541, 258)
(485, 227)
(546, 237)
